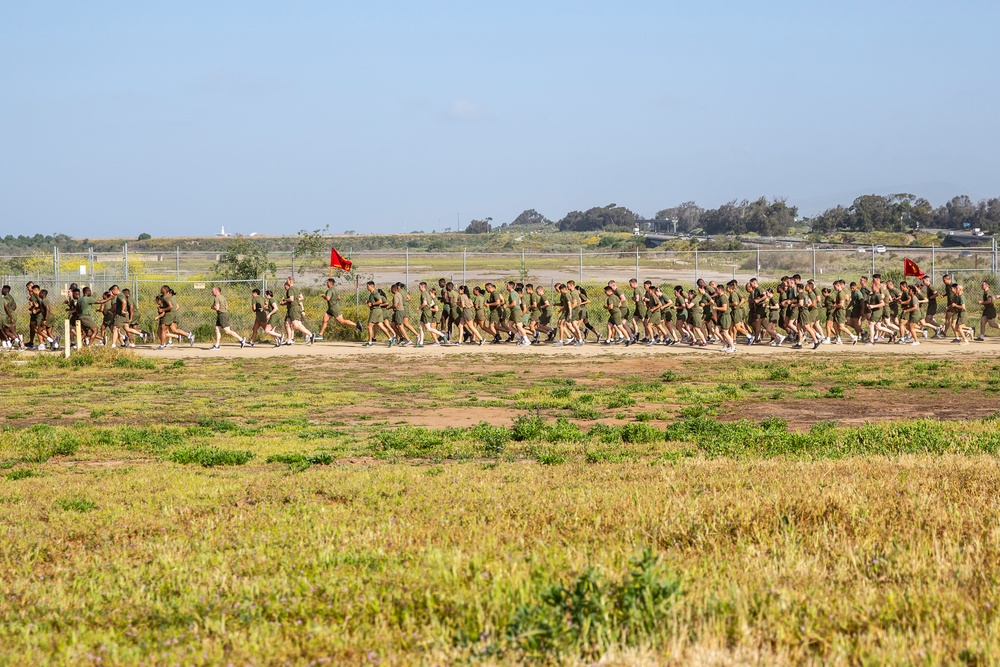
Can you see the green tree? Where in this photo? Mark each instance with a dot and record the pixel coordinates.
(688, 216)
(244, 259)
(531, 217)
(144, 237)
(598, 218)
(480, 226)
(312, 250)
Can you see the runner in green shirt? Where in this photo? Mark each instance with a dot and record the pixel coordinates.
(989, 315)
(223, 324)
(428, 309)
(294, 313)
(333, 311)
(8, 309)
(963, 332)
(612, 303)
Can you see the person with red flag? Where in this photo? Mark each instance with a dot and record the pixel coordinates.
(332, 298)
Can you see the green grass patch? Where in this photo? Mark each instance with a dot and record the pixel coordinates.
(210, 456)
(75, 504)
(21, 473)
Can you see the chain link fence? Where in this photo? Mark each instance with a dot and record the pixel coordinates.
(190, 278)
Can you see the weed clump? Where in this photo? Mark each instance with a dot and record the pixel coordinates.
(494, 438)
(210, 456)
(590, 614)
(408, 438)
(302, 461)
(21, 473)
(41, 442)
(75, 504)
(139, 363)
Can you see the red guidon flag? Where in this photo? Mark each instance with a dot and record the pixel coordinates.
(911, 269)
(338, 262)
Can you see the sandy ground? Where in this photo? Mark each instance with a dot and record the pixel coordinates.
(339, 349)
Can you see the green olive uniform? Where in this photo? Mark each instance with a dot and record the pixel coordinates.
(989, 308)
(612, 303)
(375, 310)
(85, 312)
(221, 307)
(333, 302)
(398, 308)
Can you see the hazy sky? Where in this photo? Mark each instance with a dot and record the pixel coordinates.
(177, 117)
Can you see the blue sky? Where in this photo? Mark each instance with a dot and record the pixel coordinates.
(177, 118)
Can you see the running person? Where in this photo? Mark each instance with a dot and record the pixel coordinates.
(989, 316)
(333, 311)
(222, 320)
(294, 313)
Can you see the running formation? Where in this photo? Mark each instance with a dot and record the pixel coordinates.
(792, 310)
(866, 312)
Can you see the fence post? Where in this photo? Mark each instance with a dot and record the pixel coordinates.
(66, 339)
(637, 262)
(55, 262)
(125, 255)
(464, 259)
(581, 266)
(293, 262)
(932, 265)
(407, 279)
(177, 257)
(757, 272)
(814, 262)
(696, 264)
(873, 259)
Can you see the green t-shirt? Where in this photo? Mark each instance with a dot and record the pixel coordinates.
(372, 300)
(293, 305)
(121, 305)
(85, 307)
(426, 302)
(331, 298)
(612, 304)
(873, 307)
(221, 304)
(513, 300)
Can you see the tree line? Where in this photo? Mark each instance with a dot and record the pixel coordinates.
(900, 212)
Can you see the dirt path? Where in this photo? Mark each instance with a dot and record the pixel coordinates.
(336, 349)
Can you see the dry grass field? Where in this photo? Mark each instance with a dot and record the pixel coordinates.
(491, 508)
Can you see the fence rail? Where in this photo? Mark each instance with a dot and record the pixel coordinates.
(817, 262)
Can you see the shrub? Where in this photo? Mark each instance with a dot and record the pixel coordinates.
(527, 428)
(548, 457)
(408, 437)
(494, 438)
